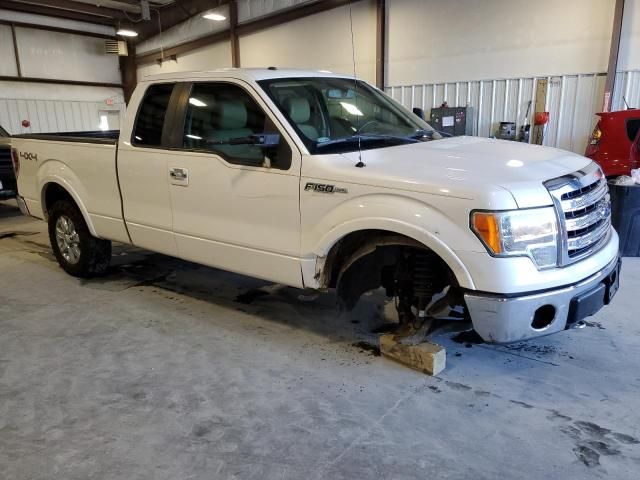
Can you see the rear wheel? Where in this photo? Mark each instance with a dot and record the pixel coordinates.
(78, 252)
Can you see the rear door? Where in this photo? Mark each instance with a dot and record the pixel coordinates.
(142, 170)
(235, 206)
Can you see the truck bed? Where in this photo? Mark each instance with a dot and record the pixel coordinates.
(84, 163)
(86, 136)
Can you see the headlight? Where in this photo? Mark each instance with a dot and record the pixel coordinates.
(531, 232)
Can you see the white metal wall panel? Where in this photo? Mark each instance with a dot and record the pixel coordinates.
(627, 88)
(572, 101)
(196, 27)
(53, 115)
(304, 43)
(211, 57)
(7, 56)
(36, 19)
(252, 9)
(443, 41)
(47, 54)
(191, 29)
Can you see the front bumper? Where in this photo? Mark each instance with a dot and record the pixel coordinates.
(510, 318)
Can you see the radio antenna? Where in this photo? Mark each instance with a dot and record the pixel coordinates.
(360, 163)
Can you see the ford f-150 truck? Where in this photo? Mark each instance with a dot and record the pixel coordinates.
(321, 181)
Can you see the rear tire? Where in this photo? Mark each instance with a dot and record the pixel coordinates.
(78, 252)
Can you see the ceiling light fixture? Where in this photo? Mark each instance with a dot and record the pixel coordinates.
(196, 102)
(214, 16)
(127, 33)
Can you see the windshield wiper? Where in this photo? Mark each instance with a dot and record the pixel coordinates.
(429, 134)
(366, 138)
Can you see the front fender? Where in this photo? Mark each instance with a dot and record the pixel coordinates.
(55, 171)
(425, 223)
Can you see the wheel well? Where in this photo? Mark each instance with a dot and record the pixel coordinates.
(373, 255)
(347, 246)
(52, 193)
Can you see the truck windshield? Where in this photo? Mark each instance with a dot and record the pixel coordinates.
(336, 115)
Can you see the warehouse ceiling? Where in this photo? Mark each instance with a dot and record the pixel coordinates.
(119, 13)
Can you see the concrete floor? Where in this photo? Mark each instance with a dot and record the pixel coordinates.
(158, 372)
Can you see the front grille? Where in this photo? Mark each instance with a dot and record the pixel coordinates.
(584, 212)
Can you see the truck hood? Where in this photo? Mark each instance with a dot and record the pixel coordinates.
(466, 167)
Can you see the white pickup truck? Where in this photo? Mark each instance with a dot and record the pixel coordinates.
(321, 181)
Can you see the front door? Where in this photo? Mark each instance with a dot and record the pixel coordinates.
(235, 205)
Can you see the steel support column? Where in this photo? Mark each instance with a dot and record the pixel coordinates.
(128, 71)
(381, 43)
(233, 34)
(613, 55)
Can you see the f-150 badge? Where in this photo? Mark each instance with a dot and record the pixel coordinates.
(324, 188)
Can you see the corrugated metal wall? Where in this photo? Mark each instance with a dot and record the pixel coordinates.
(572, 101)
(58, 115)
(252, 9)
(627, 88)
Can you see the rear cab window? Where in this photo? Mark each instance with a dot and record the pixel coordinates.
(151, 115)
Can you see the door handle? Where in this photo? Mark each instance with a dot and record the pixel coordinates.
(178, 174)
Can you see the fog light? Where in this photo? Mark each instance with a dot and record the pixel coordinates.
(543, 317)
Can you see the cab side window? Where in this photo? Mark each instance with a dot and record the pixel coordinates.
(150, 119)
(220, 116)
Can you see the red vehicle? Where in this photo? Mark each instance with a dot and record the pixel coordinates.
(615, 142)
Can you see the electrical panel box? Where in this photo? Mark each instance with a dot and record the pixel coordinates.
(453, 121)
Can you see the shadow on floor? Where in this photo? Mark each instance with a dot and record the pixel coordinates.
(8, 209)
(134, 268)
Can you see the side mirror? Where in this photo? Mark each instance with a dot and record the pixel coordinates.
(418, 112)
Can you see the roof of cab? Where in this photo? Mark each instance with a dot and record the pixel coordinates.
(248, 74)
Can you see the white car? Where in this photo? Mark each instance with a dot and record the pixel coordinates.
(320, 181)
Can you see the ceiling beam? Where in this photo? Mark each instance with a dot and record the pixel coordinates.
(54, 12)
(77, 7)
(57, 81)
(290, 14)
(120, 5)
(173, 14)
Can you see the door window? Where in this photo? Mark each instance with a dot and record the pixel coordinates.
(222, 118)
(151, 116)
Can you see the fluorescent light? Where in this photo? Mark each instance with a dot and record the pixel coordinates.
(193, 137)
(352, 109)
(196, 103)
(214, 16)
(127, 33)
